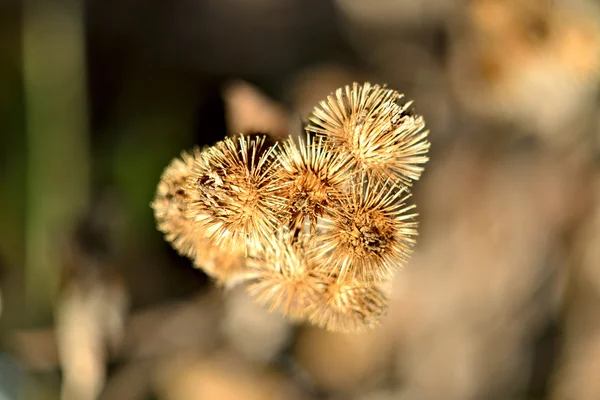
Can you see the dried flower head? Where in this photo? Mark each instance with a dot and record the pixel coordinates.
(315, 179)
(382, 136)
(235, 194)
(284, 276)
(222, 266)
(349, 305)
(240, 209)
(170, 204)
(370, 235)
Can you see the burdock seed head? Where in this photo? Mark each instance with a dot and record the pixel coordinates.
(287, 279)
(223, 266)
(284, 276)
(234, 191)
(240, 209)
(370, 235)
(349, 305)
(314, 179)
(170, 204)
(368, 123)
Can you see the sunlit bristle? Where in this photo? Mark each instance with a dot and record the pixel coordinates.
(381, 136)
(349, 305)
(370, 235)
(234, 191)
(315, 178)
(170, 204)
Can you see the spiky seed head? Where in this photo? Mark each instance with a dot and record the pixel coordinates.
(315, 178)
(284, 277)
(382, 136)
(170, 204)
(370, 235)
(222, 266)
(349, 305)
(239, 208)
(235, 197)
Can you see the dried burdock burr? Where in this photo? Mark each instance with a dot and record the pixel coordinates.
(315, 179)
(370, 235)
(346, 305)
(222, 266)
(287, 279)
(284, 276)
(171, 201)
(381, 136)
(234, 191)
(316, 226)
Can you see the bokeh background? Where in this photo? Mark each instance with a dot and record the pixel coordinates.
(501, 298)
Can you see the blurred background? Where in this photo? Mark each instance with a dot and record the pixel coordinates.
(501, 298)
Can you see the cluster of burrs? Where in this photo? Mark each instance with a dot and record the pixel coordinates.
(316, 226)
